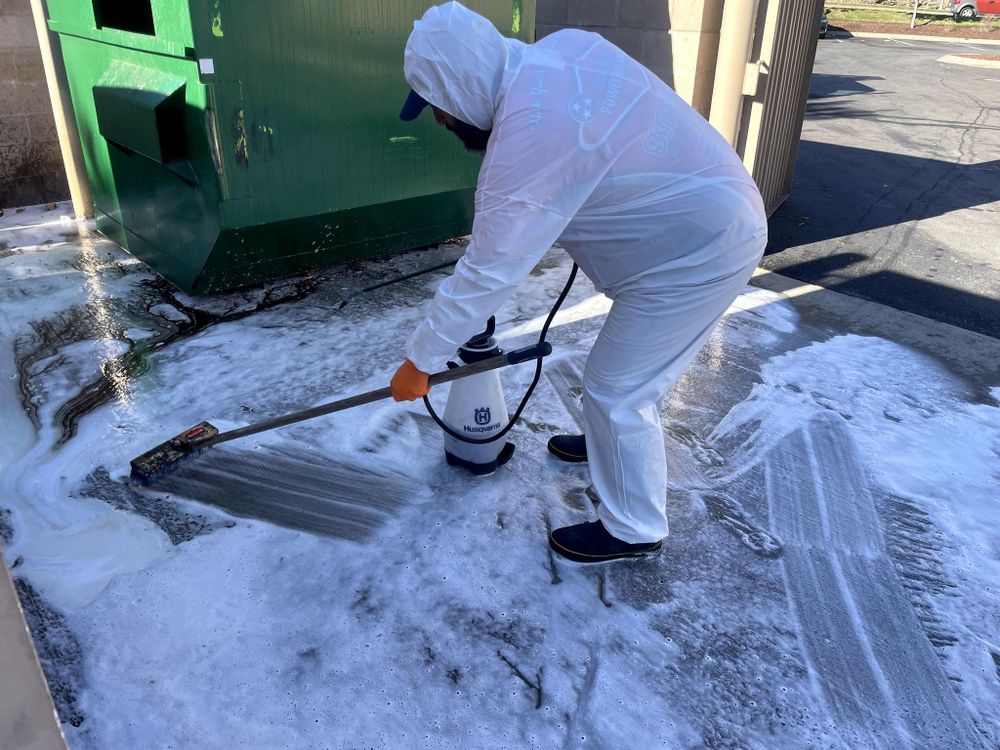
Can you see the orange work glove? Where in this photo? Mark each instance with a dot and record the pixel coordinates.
(409, 383)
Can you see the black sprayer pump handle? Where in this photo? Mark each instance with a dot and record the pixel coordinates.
(481, 338)
(537, 351)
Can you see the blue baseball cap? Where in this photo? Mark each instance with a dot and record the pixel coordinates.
(412, 107)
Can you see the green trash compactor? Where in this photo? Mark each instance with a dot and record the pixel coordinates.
(232, 141)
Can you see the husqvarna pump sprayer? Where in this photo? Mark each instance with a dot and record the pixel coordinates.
(477, 410)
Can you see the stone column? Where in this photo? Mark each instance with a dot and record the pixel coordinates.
(694, 34)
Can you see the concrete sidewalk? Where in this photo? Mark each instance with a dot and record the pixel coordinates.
(828, 579)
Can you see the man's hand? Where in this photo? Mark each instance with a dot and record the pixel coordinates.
(409, 383)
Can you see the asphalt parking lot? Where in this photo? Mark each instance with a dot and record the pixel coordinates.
(896, 196)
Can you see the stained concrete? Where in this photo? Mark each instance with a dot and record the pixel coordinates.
(827, 580)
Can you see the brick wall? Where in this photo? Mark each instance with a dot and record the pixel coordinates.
(676, 39)
(31, 169)
(639, 27)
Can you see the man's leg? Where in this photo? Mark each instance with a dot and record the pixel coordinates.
(651, 335)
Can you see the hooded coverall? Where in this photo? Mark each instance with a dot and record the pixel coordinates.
(590, 149)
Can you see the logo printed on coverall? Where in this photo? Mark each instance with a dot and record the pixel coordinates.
(582, 108)
(538, 91)
(663, 133)
(608, 85)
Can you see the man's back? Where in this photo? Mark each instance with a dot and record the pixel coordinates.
(642, 176)
(585, 147)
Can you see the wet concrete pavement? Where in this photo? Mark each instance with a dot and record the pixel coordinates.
(829, 580)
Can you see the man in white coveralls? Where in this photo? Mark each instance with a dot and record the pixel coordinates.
(585, 146)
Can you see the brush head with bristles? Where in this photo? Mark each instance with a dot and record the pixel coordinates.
(167, 456)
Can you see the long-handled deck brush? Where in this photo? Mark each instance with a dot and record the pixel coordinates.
(167, 456)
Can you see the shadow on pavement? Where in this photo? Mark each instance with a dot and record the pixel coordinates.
(831, 97)
(826, 85)
(959, 307)
(827, 96)
(843, 191)
(838, 32)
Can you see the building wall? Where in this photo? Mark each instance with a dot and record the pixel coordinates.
(676, 39)
(31, 169)
(639, 27)
(694, 34)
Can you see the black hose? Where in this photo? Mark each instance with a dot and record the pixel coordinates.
(531, 388)
(405, 277)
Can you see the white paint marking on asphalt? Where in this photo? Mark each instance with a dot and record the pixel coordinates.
(966, 44)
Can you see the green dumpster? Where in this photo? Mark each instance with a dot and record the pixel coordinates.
(232, 141)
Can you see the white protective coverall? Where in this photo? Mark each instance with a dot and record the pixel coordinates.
(592, 150)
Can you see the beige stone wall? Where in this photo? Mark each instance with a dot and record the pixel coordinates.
(694, 34)
(31, 169)
(640, 27)
(676, 39)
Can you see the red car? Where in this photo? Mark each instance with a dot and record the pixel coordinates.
(966, 9)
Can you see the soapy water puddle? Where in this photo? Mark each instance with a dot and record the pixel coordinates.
(824, 583)
(178, 524)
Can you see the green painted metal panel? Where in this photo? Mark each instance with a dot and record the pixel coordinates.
(142, 109)
(243, 256)
(292, 155)
(170, 201)
(224, 122)
(171, 22)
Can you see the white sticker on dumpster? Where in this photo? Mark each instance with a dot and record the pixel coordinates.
(206, 65)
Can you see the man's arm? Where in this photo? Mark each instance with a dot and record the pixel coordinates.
(509, 237)
(532, 183)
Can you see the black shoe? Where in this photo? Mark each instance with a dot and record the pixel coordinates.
(591, 543)
(569, 448)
